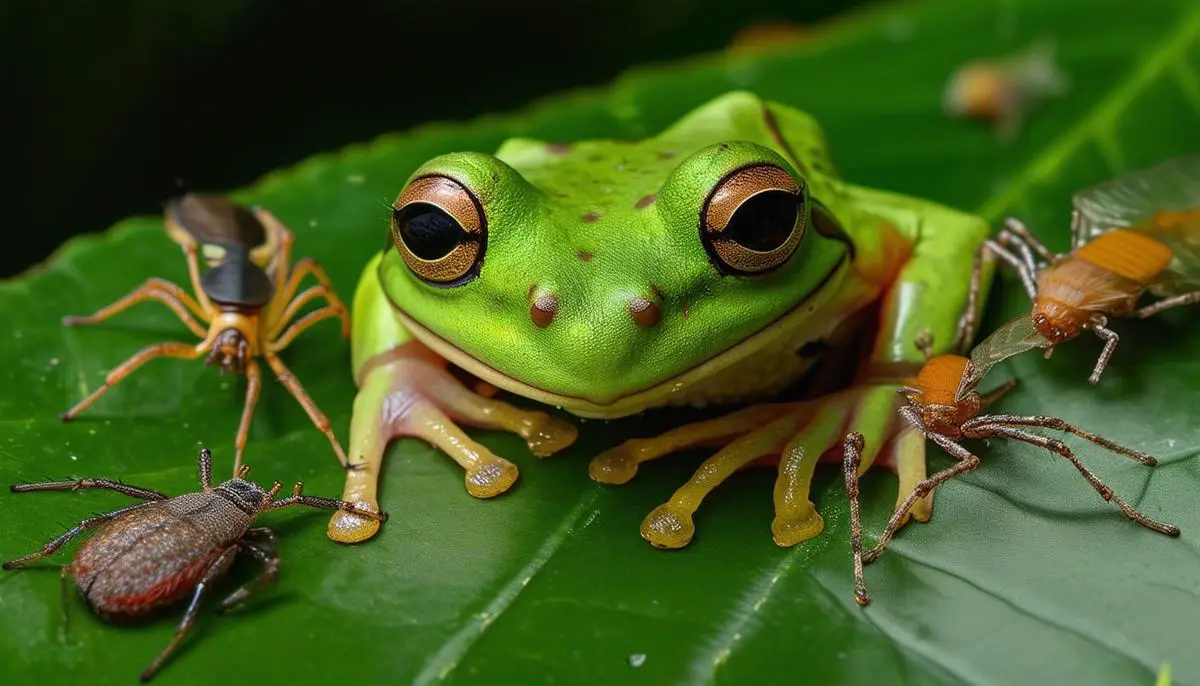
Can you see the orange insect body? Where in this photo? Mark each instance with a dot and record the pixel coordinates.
(1133, 255)
(1104, 276)
(940, 377)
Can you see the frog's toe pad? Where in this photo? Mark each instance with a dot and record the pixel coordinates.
(345, 527)
(790, 530)
(491, 478)
(668, 527)
(614, 466)
(547, 435)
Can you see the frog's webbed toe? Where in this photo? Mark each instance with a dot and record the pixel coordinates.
(798, 433)
(413, 396)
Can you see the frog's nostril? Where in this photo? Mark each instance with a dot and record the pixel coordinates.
(645, 313)
(543, 310)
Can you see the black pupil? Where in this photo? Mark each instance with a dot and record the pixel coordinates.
(428, 231)
(764, 222)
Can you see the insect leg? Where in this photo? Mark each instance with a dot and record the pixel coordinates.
(193, 265)
(1104, 491)
(156, 289)
(262, 548)
(278, 267)
(1155, 308)
(300, 325)
(94, 484)
(297, 498)
(318, 418)
(253, 384)
(1060, 425)
(1110, 339)
(852, 446)
(178, 350)
(1028, 275)
(216, 569)
(966, 323)
(1028, 240)
(967, 461)
(302, 268)
(997, 393)
(79, 528)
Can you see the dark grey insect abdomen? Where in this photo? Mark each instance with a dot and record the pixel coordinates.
(155, 555)
(237, 281)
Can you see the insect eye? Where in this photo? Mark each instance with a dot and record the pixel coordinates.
(439, 230)
(754, 219)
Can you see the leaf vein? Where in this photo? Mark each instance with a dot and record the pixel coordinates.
(446, 658)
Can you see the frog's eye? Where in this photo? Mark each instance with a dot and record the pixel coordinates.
(439, 230)
(754, 219)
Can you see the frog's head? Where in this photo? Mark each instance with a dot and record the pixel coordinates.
(597, 275)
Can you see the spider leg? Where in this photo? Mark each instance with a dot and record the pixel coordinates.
(1101, 488)
(177, 350)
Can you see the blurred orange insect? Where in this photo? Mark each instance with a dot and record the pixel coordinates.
(1002, 92)
(944, 403)
(1139, 232)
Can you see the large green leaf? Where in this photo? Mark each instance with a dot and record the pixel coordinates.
(1023, 575)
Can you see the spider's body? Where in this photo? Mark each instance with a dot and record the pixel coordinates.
(243, 306)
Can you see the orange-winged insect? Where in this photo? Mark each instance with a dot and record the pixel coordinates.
(1139, 232)
(945, 403)
(245, 305)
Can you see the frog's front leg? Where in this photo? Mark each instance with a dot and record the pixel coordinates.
(405, 389)
(919, 260)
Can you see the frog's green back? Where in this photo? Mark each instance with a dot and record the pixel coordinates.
(618, 174)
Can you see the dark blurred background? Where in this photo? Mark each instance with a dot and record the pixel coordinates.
(115, 105)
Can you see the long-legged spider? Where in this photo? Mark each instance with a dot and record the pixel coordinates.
(945, 404)
(245, 305)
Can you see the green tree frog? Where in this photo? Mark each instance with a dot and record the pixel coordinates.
(716, 263)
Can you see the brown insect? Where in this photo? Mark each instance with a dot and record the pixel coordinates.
(1137, 233)
(246, 299)
(1003, 92)
(153, 554)
(945, 404)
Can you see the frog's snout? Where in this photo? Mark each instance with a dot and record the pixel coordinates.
(644, 310)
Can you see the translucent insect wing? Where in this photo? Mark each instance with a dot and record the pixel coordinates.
(1138, 200)
(213, 220)
(1010, 339)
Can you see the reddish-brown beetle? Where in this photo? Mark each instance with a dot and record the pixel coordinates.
(152, 554)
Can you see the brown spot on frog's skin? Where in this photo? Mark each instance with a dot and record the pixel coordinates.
(543, 310)
(666, 154)
(684, 311)
(646, 201)
(558, 148)
(645, 313)
(584, 255)
(591, 217)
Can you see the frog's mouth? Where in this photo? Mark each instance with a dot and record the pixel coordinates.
(820, 312)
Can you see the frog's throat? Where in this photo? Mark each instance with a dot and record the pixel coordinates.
(636, 401)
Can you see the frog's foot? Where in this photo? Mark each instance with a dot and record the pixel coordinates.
(799, 433)
(618, 465)
(413, 396)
